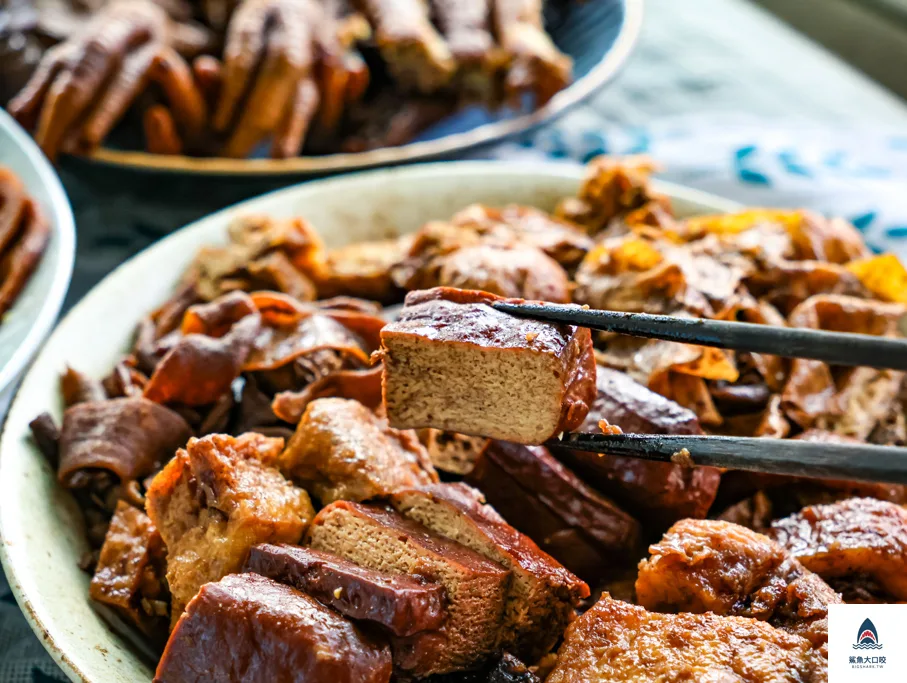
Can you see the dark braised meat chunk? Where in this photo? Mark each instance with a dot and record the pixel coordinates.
(584, 530)
(542, 595)
(615, 642)
(130, 572)
(453, 362)
(343, 451)
(712, 566)
(405, 605)
(657, 492)
(215, 500)
(385, 540)
(855, 538)
(248, 628)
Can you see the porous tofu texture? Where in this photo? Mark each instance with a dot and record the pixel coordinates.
(380, 538)
(453, 362)
(216, 499)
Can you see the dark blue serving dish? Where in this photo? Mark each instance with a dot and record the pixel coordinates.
(598, 35)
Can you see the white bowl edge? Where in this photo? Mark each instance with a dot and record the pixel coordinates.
(40, 525)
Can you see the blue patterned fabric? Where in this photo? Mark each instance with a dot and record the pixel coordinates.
(857, 174)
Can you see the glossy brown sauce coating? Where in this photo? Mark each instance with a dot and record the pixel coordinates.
(248, 628)
(404, 605)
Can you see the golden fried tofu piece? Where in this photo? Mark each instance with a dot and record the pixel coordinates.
(216, 499)
(621, 643)
(343, 451)
(859, 537)
(711, 566)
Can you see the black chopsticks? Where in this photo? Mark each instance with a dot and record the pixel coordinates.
(838, 348)
(814, 459)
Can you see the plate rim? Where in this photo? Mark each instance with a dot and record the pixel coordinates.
(457, 143)
(9, 447)
(63, 225)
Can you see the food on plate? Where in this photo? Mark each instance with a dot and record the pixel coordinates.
(574, 523)
(712, 566)
(234, 79)
(403, 604)
(247, 481)
(451, 452)
(453, 362)
(343, 451)
(254, 629)
(217, 498)
(380, 538)
(542, 595)
(616, 641)
(655, 491)
(854, 539)
(24, 234)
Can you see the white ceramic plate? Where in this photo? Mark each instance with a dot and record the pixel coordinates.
(40, 523)
(27, 323)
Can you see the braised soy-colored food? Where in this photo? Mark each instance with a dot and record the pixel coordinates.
(214, 78)
(617, 642)
(24, 234)
(453, 362)
(245, 484)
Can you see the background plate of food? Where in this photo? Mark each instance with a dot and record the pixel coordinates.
(257, 324)
(37, 247)
(269, 87)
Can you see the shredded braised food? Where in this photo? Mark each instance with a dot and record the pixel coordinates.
(320, 489)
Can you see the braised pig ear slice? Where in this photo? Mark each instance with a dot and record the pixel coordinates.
(203, 362)
(343, 451)
(363, 386)
(214, 501)
(77, 387)
(130, 572)
(130, 437)
(615, 641)
(256, 630)
(13, 202)
(688, 571)
(853, 538)
(491, 374)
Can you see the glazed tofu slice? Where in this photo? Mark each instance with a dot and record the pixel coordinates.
(453, 362)
(542, 595)
(855, 538)
(711, 566)
(214, 501)
(381, 538)
(246, 628)
(616, 642)
(343, 451)
(402, 604)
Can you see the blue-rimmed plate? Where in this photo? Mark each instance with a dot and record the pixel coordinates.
(598, 35)
(31, 318)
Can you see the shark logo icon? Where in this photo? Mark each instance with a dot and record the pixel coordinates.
(867, 637)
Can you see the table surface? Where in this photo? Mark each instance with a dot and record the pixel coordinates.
(704, 57)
